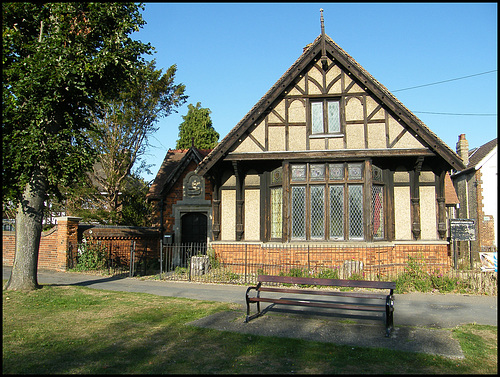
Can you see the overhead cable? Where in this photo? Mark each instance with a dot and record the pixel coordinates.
(441, 82)
(457, 114)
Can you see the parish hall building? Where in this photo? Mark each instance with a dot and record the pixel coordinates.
(327, 158)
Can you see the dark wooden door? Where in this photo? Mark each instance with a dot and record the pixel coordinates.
(194, 228)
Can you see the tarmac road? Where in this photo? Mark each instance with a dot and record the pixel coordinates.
(417, 316)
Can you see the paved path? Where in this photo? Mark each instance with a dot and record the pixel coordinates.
(417, 316)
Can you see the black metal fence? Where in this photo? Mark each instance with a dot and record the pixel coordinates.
(240, 263)
(201, 263)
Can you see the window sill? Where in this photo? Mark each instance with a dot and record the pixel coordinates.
(322, 136)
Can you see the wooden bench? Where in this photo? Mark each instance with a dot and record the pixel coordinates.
(376, 302)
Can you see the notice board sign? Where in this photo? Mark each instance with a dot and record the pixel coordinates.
(463, 229)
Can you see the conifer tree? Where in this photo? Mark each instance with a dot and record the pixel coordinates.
(197, 129)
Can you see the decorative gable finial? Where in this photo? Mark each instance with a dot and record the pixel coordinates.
(322, 22)
(324, 60)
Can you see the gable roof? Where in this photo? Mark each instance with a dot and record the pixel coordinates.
(174, 163)
(477, 155)
(450, 194)
(312, 53)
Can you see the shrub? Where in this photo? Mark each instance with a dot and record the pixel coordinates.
(214, 263)
(415, 278)
(357, 276)
(91, 257)
(328, 274)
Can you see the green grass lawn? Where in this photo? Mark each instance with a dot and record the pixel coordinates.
(70, 329)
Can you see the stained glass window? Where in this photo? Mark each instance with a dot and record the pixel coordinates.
(328, 204)
(376, 174)
(276, 212)
(336, 172)
(276, 176)
(299, 172)
(355, 171)
(317, 172)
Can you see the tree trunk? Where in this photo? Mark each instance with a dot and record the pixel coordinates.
(28, 233)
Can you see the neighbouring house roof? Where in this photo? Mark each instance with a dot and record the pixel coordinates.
(450, 195)
(477, 156)
(174, 163)
(311, 53)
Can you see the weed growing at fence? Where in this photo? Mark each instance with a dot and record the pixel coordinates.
(214, 262)
(322, 274)
(416, 278)
(328, 273)
(91, 257)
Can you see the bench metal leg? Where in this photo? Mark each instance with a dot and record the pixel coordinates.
(248, 317)
(389, 318)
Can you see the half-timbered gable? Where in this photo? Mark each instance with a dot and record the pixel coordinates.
(329, 155)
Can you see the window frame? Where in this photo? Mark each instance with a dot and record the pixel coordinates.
(275, 183)
(326, 120)
(328, 181)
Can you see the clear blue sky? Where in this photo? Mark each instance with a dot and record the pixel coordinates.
(230, 54)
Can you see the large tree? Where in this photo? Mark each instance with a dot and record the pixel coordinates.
(61, 63)
(122, 131)
(197, 129)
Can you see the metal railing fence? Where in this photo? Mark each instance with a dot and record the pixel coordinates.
(243, 262)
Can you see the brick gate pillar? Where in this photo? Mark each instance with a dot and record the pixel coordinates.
(67, 241)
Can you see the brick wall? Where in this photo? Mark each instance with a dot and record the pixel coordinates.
(8, 247)
(377, 260)
(173, 196)
(118, 242)
(59, 245)
(48, 257)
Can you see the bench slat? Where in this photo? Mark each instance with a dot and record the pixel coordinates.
(325, 293)
(327, 282)
(318, 304)
(387, 307)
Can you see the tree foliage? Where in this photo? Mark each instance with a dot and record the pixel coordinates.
(88, 203)
(122, 130)
(197, 125)
(61, 63)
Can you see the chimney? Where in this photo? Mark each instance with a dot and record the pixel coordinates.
(463, 149)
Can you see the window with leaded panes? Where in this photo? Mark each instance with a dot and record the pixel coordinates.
(325, 117)
(326, 201)
(276, 214)
(377, 203)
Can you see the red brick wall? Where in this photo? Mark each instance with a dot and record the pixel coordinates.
(377, 261)
(118, 248)
(47, 256)
(8, 247)
(58, 246)
(174, 195)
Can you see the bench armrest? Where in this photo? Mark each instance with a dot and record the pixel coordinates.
(250, 288)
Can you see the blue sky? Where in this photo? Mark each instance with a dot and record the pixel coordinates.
(230, 54)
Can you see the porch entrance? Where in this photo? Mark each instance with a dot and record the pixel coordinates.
(194, 228)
